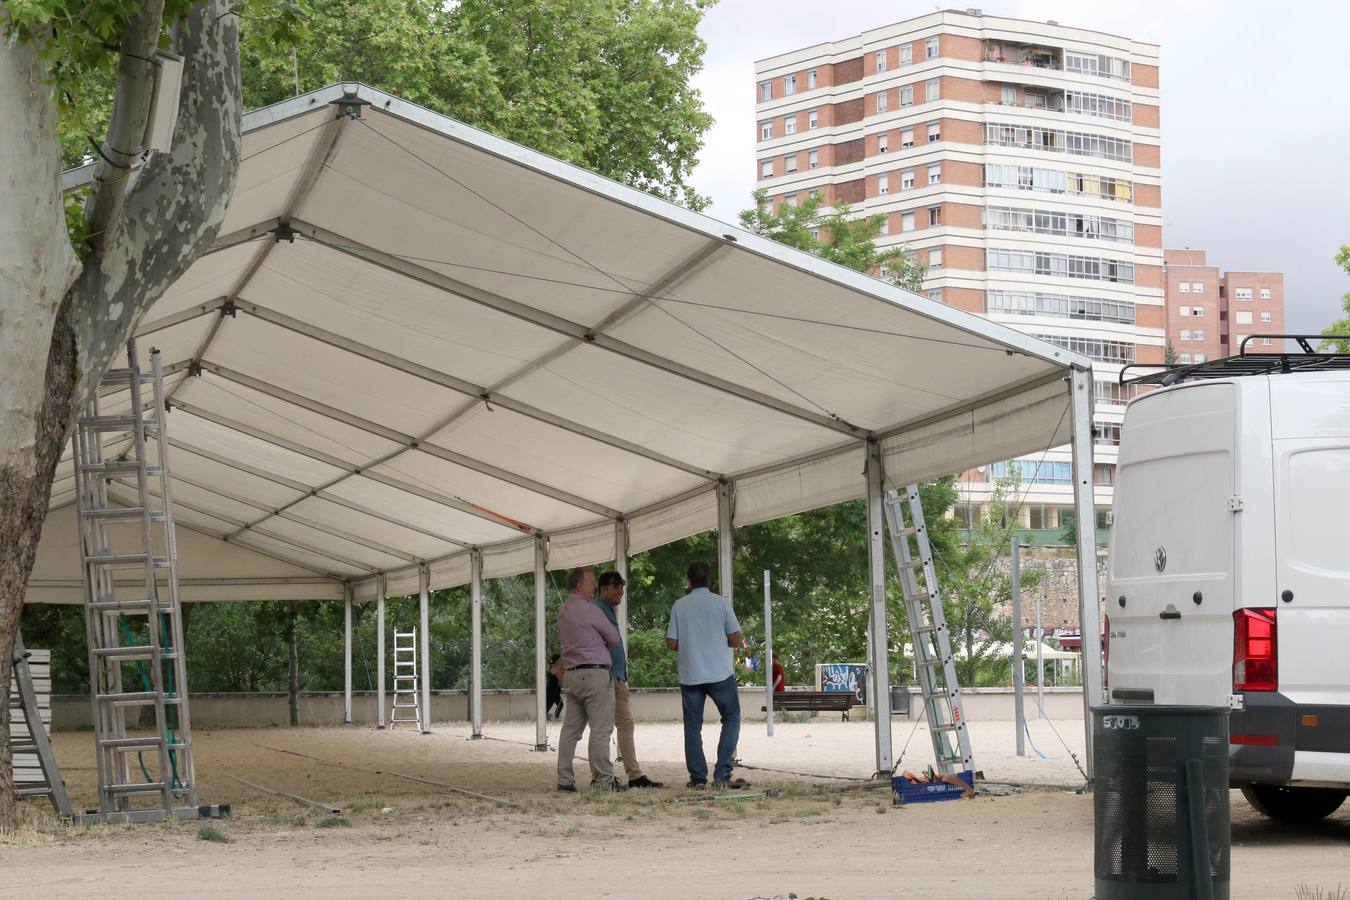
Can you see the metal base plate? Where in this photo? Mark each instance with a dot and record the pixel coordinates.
(137, 816)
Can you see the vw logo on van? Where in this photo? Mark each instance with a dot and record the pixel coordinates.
(1160, 558)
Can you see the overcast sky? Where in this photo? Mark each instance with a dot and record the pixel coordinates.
(1255, 118)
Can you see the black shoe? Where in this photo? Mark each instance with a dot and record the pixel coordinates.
(730, 784)
(612, 785)
(567, 788)
(696, 785)
(642, 781)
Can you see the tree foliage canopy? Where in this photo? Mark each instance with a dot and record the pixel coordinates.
(1341, 326)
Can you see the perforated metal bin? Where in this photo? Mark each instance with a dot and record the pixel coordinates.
(1161, 802)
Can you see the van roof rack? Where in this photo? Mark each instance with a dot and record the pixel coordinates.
(1306, 359)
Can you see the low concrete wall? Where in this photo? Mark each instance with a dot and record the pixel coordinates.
(71, 711)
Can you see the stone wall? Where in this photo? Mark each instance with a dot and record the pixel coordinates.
(1058, 588)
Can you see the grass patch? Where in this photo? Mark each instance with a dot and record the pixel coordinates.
(1311, 892)
(333, 822)
(214, 835)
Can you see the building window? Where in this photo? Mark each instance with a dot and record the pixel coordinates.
(766, 169)
(1198, 311)
(1238, 339)
(883, 184)
(1265, 318)
(1197, 287)
(1009, 97)
(930, 48)
(789, 85)
(790, 124)
(1199, 357)
(907, 221)
(765, 130)
(811, 79)
(1067, 224)
(906, 54)
(883, 101)
(907, 179)
(881, 60)
(1184, 358)
(1185, 334)
(1097, 66)
(934, 132)
(813, 118)
(1056, 140)
(1198, 334)
(812, 159)
(1116, 352)
(907, 95)
(934, 216)
(935, 258)
(935, 174)
(935, 294)
(813, 194)
(1242, 293)
(931, 89)
(1184, 287)
(885, 228)
(765, 91)
(815, 233)
(790, 163)
(1242, 317)
(1265, 342)
(1265, 293)
(1184, 311)
(883, 143)
(789, 199)
(907, 138)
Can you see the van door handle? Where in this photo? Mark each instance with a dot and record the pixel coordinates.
(1169, 613)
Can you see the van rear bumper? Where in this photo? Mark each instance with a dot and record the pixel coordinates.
(1270, 729)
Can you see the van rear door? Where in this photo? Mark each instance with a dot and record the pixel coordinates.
(1310, 419)
(1171, 559)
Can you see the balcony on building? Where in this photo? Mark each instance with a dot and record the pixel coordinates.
(1012, 53)
(1051, 99)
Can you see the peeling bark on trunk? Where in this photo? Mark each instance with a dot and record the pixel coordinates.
(61, 327)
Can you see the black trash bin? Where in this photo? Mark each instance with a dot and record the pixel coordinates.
(900, 700)
(1161, 802)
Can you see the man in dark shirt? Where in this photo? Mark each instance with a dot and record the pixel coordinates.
(611, 595)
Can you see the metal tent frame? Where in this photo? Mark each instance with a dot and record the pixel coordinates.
(398, 368)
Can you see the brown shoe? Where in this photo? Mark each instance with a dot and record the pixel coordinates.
(642, 781)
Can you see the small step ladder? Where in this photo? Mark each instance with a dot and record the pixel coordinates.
(28, 736)
(405, 681)
(928, 632)
(133, 619)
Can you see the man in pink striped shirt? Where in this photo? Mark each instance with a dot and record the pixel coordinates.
(586, 634)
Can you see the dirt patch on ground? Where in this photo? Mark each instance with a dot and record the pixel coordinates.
(400, 837)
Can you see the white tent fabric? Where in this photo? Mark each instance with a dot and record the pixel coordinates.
(413, 338)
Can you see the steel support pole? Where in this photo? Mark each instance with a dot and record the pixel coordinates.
(621, 566)
(540, 643)
(768, 651)
(1040, 663)
(878, 643)
(476, 645)
(424, 664)
(1018, 665)
(379, 654)
(725, 534)
(1089, 604)
(347, 653)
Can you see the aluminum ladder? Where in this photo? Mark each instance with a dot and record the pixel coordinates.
(405, 681)
(29, 736)
(133, 619)
(928, 632)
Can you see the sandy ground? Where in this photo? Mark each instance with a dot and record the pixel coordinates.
(398, 837)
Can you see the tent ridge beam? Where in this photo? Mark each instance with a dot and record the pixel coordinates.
(578, 332)
(408, 441)
(467, 388)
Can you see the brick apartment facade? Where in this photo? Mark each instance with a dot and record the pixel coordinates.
(1020, 161)
(1209, 312)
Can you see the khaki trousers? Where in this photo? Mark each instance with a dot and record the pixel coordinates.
(623, 724)
(590, 700)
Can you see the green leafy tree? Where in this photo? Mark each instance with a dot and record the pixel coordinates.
(837, 235)
(1341, 326)
(1169, 354)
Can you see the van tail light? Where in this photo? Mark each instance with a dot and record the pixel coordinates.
(1255, 664)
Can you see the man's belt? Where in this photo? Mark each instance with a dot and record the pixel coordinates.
(588, 666)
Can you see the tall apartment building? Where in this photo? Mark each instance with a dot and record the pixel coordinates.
(1020, 161)
(1210, 312)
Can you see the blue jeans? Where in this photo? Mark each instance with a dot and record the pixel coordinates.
(728, 703)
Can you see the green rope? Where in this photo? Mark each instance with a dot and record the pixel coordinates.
(129, 638)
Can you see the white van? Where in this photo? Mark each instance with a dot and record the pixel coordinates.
(1229, 579)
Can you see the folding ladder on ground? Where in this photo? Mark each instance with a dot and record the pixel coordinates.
(405, 681)
(133, 619)
(28, 738)
(928, 632)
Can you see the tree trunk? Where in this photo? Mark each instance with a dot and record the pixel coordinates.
(293, 654)
(61, 326)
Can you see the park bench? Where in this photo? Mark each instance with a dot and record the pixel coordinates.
(814, 701)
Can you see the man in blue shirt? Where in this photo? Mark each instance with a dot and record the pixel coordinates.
(609, 597)
(702, 627)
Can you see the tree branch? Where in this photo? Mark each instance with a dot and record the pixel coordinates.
(173, 208)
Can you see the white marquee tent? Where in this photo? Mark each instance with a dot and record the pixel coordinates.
(419, 356)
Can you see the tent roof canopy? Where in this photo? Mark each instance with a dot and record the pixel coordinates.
(412, 339)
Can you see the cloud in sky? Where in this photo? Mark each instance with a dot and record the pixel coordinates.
(1255, 118)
